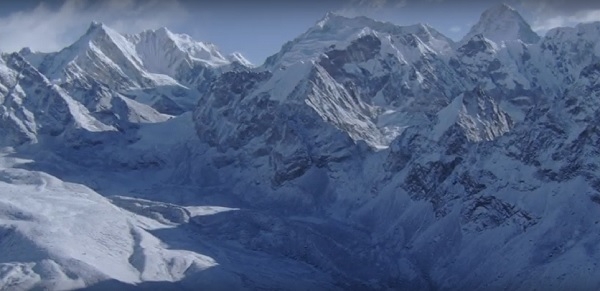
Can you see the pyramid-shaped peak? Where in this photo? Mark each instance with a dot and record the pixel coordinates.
(96, 26)
(501, 12)
(502, 23)
(501, 8)
(95, 23)
(105, 39)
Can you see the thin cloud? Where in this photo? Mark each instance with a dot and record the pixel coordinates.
(545, 23)
(369, 7)
(44, 28)
(455, 29)
(558, 13)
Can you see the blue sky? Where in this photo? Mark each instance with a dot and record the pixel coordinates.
(256, 28)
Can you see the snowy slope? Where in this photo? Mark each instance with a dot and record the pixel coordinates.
(502, 23)
(163, 52)
(151, 62)
(362, 156)
(336, 31)
(33, 107)
(463, 181)
(380, 60)
(62, 236)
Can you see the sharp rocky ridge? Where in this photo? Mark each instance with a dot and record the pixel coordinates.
(362, 155)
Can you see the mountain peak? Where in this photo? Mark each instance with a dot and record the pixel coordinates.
(162, 51)
(338, 31)
(502, 23)
(25, 51)
(501, 8)
(98, 30)
(329, 16)
(238, 57)
(163, 31)
(96, 26)
(335, 20)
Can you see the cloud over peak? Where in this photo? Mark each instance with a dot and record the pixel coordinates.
(47, 28)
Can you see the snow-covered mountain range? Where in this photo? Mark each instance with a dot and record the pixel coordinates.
(361, 156)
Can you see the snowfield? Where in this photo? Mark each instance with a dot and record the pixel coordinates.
(62, 236)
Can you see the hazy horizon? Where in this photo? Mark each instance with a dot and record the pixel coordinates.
(257, 29)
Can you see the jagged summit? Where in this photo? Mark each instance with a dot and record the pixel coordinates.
(338, 31)
(153, 51)
(239, 58)
(152, 60)
(329, 16)
(95, 23)
(336, 21)
(164, 51)
(333, 19)
(163, 30)
(101, 36)
(97, 27)
(502, 23)
(156, 44)
(500, 8)
(476, 44)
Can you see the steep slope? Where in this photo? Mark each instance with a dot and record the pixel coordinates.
(158, 68)
(459, 188)
(352, 71)
(362, 156)
(101, 53)
(337, 31)
(567, 50)
(32, 108)
(372, 79)
(502, 23)
(178, 55)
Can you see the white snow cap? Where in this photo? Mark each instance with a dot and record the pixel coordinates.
(502, 23)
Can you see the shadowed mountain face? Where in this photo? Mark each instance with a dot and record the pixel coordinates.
(362, 156)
